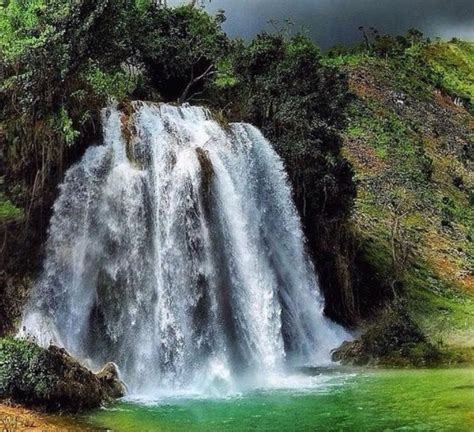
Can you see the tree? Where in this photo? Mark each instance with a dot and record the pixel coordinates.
(180, 48)
(49, 104)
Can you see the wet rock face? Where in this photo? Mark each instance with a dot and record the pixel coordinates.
(52, 380)
(109, 377)
(207, 170)
(351, 353)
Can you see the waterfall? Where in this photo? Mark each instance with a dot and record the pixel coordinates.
(175, 251)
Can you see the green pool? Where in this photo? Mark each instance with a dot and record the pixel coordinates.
(388, 400)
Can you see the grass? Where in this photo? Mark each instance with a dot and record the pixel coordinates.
(454, 65)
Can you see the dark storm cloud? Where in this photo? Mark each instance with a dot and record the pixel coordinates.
(337, 21)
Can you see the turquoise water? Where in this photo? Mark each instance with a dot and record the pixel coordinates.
(393, 400)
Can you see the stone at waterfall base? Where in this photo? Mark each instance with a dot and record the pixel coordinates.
(394, 340)
(111, 382)
(50, 379)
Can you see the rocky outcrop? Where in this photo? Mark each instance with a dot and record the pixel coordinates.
(394, 339)
(109, 377)
(52, 380)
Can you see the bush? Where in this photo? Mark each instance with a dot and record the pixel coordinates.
(25, 372)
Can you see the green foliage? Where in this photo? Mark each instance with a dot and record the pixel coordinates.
(417, 61)
(225, 77)
(453, 64)
(180, 48)
(25, 371)
(19, 21)
(8, 211)
(393, 140)
(341, 59)
(116, 84)
(64, 124)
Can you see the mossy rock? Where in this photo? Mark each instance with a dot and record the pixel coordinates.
(394, 339)
(51, 379)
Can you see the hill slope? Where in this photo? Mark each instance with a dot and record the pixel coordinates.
(410, 140)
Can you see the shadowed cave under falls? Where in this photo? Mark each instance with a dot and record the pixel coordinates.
(175, 251)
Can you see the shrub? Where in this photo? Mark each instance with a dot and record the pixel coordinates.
(25, 372)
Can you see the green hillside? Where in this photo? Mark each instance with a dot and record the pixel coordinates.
(410, 140)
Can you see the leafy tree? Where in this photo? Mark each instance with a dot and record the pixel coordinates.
(180, 49)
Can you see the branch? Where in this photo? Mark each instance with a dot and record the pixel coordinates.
(208, 72)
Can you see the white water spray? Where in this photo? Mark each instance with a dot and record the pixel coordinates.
(175, 251)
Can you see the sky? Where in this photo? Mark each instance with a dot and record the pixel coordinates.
(330, 22)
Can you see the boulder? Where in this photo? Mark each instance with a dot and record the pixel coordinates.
(52, 380)
(394, 339)
(109, 377)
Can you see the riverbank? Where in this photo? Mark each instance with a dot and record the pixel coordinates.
(15, 418)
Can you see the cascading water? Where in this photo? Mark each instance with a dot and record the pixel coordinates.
(175, 251)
